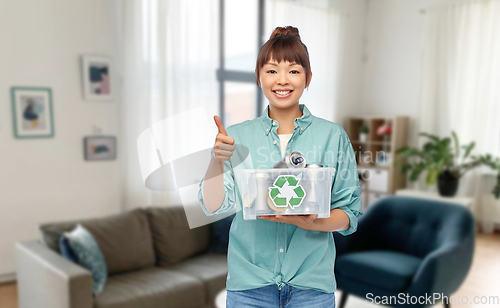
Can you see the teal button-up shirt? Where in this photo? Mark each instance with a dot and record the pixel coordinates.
(263, 252)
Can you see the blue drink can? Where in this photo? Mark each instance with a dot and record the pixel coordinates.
(291, 160)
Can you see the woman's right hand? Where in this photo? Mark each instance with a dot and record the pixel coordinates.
(224, 145)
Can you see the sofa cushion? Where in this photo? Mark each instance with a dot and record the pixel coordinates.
(391, 269)
(151, 288)
(124, 239)
(210, 268)
(173, 240)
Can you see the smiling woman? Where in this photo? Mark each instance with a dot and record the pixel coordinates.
(270, 257)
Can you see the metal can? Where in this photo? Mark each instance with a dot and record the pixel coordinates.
(291, 160)
(262, 190)
(310, 183)
(313, 174)
(314, 166)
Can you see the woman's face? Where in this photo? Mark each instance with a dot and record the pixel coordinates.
(285, 77)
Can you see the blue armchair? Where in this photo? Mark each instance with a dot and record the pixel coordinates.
(405, 250)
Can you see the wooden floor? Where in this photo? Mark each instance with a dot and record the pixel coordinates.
(8, 295)
(483, 279)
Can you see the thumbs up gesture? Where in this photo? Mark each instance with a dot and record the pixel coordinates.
(224, 145)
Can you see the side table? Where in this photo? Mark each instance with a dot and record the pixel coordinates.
(465, 201)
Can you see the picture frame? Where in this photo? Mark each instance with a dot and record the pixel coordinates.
(99, 148)
(32, 112)
(97, 75)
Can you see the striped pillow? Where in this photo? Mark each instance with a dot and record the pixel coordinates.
(89, 255)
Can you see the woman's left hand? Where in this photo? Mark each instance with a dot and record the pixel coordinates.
(302, 221)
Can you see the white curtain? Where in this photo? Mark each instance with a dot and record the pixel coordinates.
(461, 78)
(168, 56)
(321, 29)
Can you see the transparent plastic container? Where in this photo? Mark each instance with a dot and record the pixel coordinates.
(285, 191)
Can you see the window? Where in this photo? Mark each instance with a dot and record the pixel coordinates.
(240, 96)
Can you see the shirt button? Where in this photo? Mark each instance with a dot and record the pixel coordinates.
(281, 249)
(274, 123)
(267, 130)
(274, 141)
(292, 140)
(301, 128)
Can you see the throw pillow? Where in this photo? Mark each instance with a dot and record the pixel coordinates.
(219, 239)
(89, 255)
(66, 250)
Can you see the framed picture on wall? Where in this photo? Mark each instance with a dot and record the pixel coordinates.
(99, 147)
(96, 75)
(32, 114)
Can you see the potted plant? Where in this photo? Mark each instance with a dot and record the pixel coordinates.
(363, 132)
(442, 162)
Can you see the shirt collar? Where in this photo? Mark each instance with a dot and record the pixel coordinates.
(302, 123)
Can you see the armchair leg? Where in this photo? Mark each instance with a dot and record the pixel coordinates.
(343, 299)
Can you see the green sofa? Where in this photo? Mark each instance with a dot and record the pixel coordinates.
(154, 260)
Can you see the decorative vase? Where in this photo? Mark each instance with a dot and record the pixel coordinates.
(447, 183)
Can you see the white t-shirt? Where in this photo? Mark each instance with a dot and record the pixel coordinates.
(283, 142)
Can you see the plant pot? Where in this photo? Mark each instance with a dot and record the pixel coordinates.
(447, 183)
(362, 137)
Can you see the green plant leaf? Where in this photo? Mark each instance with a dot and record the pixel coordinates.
(432, 175)
(457, 145)
(414, 175)
(468, 149)
(429, 136)
(406, 167)
(402, 149)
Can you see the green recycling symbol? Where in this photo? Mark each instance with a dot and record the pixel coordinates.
(287, 191)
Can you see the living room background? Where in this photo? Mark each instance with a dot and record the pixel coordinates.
(48, 179)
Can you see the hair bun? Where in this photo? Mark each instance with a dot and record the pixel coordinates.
(288, 30)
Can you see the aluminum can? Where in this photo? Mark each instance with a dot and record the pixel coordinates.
(291, 160)
(309, 184)
(314, 166)
(262, 185)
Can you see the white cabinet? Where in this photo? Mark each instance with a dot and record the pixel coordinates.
(375, 184)
(377, 179)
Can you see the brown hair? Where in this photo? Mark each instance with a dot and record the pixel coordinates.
(284, 44)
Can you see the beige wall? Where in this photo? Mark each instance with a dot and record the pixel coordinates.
(392, 68)
(45, 180)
